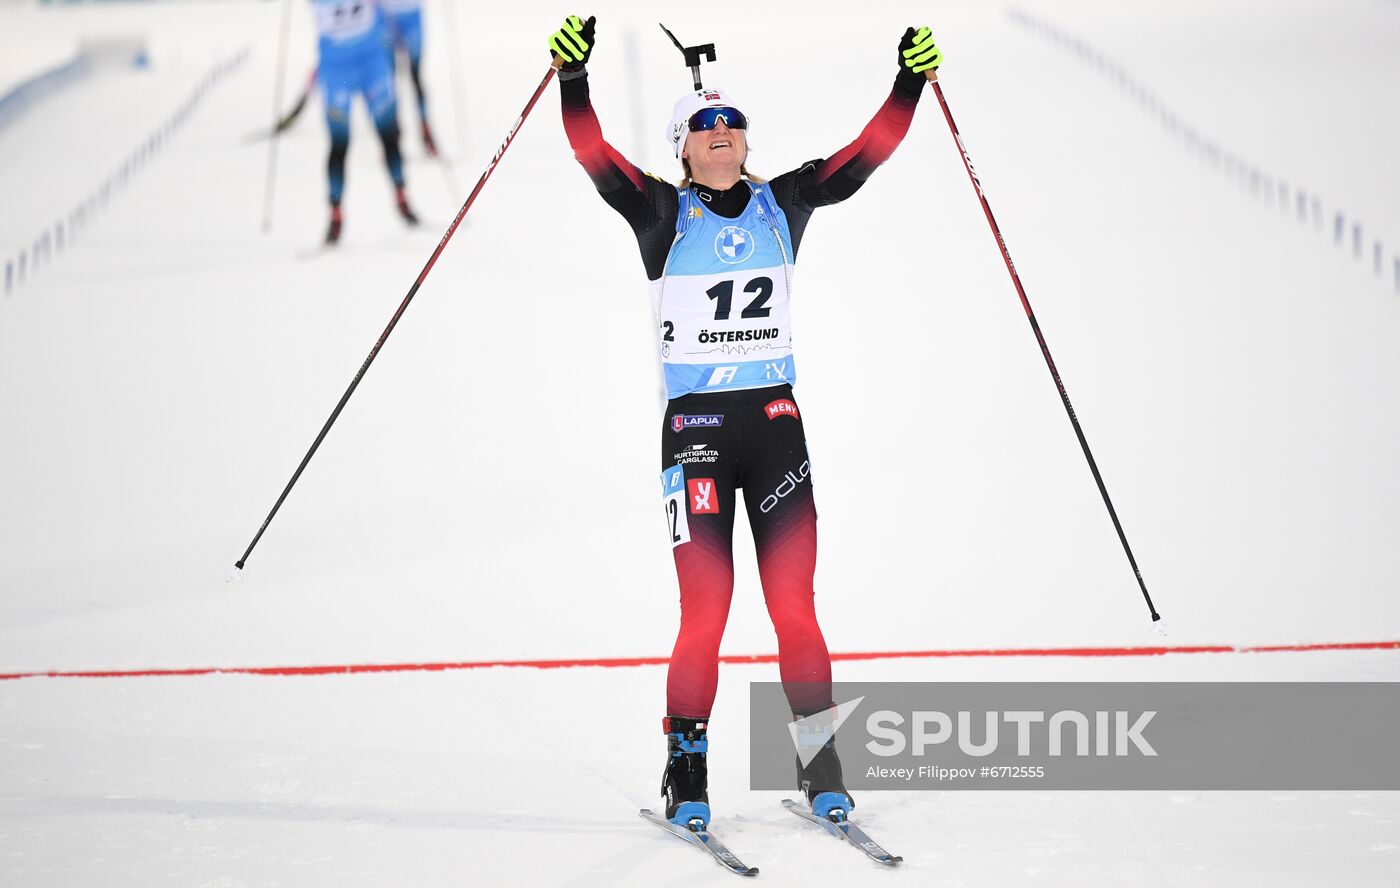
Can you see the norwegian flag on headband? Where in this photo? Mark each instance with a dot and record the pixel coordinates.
(688, 104)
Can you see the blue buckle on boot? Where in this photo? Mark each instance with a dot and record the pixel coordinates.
(690, 811)
(701, 745)
(827, 802)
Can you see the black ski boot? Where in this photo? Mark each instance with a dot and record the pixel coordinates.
(404, 209)
(685, 782)
(820, 780)
(333, 232)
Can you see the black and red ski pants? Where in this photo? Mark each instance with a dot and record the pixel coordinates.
(720, 442)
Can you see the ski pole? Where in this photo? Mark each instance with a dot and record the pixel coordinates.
(932, 75)
(393, 321)
(276, 115)
(285, 122)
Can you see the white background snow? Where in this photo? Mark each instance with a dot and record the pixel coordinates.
(490, 491)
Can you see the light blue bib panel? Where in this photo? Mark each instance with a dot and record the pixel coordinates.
(722, 300)
(347, 27)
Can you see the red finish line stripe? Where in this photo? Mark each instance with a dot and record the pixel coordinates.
(616, 662)
(1348, 646)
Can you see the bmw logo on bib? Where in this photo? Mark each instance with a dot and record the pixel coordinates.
(733, 244)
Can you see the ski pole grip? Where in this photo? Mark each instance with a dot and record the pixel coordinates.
(932, 75)
(558, 62)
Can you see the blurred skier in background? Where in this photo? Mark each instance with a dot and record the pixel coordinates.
(719, 251)
(352, 60)
(405, 20)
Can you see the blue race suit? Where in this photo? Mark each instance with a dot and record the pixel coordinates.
(352, 38)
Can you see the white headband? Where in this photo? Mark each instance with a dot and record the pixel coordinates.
(686, 107)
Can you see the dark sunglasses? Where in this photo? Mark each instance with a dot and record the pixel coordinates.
(706, 118)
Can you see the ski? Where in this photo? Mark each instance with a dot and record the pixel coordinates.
(845, 829)
(702, 838)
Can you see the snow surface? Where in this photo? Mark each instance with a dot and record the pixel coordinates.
(1236, 373)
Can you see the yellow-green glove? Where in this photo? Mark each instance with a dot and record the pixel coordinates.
(917, 52)
(573, 42)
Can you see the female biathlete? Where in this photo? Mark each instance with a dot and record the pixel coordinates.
(719, 253)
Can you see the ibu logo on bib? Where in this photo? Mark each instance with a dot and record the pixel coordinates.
(733, 244)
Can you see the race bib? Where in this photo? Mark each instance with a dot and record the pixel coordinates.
(342, 21)
(673, 494)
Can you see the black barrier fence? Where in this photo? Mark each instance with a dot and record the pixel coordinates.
(60, 234)
(1273, 191)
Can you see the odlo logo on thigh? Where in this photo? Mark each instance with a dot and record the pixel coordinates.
(703, 498)
(786, 486)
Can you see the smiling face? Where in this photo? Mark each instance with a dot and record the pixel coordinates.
(716, 155)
